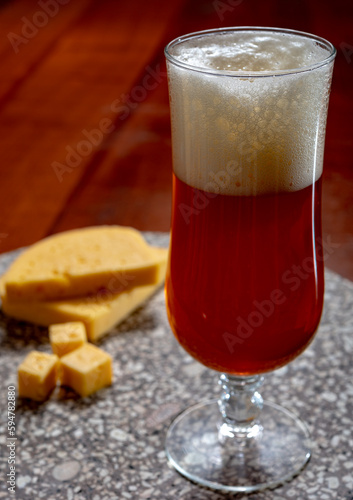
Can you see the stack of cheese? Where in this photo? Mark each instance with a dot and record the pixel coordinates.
(95, 275)
(92, 277)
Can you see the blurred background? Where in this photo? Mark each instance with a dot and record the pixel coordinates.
(84, 116)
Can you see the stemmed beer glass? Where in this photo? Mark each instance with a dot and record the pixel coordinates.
(244, 287)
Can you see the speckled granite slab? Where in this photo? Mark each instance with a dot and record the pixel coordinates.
(111, 445)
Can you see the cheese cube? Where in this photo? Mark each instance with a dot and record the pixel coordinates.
(37, 375)
(86, 370)
(66, 337)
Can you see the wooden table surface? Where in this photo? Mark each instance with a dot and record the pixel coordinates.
(84, 116)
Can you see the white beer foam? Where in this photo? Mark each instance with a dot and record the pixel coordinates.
(247, 135)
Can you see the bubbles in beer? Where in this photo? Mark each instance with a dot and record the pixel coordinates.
(249, 132)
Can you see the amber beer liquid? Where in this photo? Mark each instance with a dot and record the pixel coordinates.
(245, 283)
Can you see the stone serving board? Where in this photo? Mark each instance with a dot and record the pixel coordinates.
(111, 445)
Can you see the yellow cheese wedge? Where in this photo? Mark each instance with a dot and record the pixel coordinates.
(99, 314)
(86, 370)
(37, 375)
(66, 337)
(82, 262)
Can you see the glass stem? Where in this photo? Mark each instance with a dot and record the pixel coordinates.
(240, 405)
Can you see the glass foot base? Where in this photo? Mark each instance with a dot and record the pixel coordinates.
(275, 452)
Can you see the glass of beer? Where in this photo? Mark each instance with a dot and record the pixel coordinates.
(245, 279)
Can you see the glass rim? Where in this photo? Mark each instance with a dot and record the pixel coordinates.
(253, 74)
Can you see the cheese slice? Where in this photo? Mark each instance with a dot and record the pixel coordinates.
(99, 313)
(82, 262)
